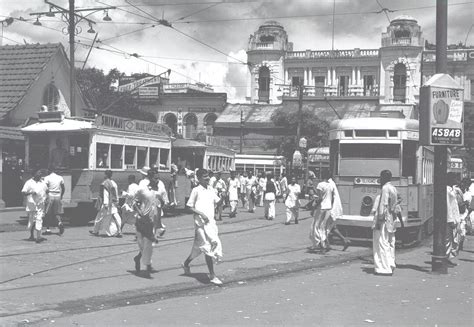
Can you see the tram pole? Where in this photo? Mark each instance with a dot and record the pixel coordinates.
(438, 259)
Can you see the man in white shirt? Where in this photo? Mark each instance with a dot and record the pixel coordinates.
(220, 188)
(56, 189)
(244, 184)
(202, 202)
(252, 191)
(36, 193)
(292, 202)
(233, 186)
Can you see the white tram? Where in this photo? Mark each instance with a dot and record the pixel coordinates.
(82, 149)
(360, 148)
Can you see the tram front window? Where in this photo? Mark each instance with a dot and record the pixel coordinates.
(153, 156)
(78, 151)
(164, 153)
(141, 156)
(38, 152)
(130, 152)
(370, 151)
(102, 155)
(116, 156)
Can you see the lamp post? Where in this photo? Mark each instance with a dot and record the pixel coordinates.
(71, 17)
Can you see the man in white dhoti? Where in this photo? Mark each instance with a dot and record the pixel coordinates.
(251, 191)
(292, 202)
(324, 199)
(233, 186)
(220, 188)
(244, 184)
(384, 211)
(336, 213)
(147, 204)
(108, 218)
(202, 202)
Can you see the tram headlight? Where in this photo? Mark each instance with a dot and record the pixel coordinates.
(366, 207)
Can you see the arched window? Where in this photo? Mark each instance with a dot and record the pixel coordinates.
(209, 121)
(51, 96)
(399, 82)
(171, 121)
(402, 33)
(190, 126)
(264, 84)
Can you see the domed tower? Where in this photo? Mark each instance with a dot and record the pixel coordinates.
(265, 54)
(401, 51)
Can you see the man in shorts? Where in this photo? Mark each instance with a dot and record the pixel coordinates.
(202, 202)
(36, 193)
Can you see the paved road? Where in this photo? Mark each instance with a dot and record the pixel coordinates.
(91, 279)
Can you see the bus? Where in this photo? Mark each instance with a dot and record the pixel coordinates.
(83, 149)
(360, 148)
(260, 163)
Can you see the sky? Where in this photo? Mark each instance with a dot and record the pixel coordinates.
(208, 39)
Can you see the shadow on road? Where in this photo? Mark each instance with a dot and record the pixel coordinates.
(203, 278)
(414, 267)
(467, 260)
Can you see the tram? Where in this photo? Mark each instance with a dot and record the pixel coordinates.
(360, 148)
(82, 149)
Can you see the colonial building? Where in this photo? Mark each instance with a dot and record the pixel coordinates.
(31, 75)
(190, 110)
(336, 83)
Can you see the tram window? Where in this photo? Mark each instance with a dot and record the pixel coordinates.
(370, 133)
(38, 152)
(141, 156)
(130, 152)
(116, 155)
(102, 155)
(164, 153)
(79, 151)
(154, 156)
(348, 133)
(370, 151)
(392, 133)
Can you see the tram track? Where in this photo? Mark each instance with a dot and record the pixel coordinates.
(168, 242)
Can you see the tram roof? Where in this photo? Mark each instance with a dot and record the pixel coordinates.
(66, 125)
(377, 123)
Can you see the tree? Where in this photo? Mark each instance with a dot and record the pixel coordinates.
(96, 86)
(315, 131)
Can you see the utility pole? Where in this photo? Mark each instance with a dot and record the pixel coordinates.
(300, 113)
(439, 259)
(72, 17)
(241, 130)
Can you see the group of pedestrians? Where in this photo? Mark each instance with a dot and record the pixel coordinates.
(44, 192)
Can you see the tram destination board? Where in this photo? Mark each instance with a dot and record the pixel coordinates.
(441, 112)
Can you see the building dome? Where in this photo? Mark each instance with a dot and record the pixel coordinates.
(271, 23)
(403, 18)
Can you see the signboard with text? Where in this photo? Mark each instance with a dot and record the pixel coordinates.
(441, 112)
(129, 125)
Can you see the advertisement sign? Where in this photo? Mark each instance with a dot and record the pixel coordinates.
(129, 125)
(441, 112)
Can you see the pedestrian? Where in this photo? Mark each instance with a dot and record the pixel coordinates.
(36, 193)
(251, 191)
(469, 200)
(202, 202)
(128, 213)
(292, 202)
(270, 197)
(220, 188)
(148, 206)
(108, 218)
(283, 183)
(173, 185)
(384, 226)
(244, 185)
(262, 182)
(322, 206)
(453, 219)
(464, 198)
(336, 213)
(56, 189)
(233, 186)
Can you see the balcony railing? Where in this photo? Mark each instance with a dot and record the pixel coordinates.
(332, 54)
(330, 91)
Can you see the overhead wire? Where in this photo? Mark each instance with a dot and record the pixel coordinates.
(384, 10)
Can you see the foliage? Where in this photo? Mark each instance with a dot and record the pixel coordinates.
(96, 87)
(313, 129)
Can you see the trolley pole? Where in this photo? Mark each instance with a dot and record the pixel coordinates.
(72, 45)
(241, 131)
(438, 259)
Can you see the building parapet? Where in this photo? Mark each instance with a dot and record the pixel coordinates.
(333, 54)
(329, 91)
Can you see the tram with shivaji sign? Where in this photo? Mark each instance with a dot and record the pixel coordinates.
(360, 148)
(83, 149)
